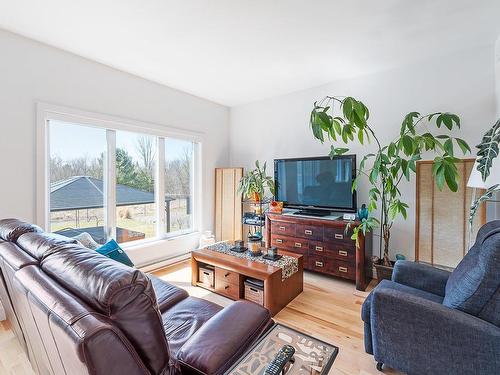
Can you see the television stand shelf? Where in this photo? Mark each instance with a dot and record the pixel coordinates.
(325, 245)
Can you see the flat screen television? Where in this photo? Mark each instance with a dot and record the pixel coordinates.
(319, 184)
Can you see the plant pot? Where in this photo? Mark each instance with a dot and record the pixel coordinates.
(256, 197)
(384, 272)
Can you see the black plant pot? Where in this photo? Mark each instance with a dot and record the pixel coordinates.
(384, 272)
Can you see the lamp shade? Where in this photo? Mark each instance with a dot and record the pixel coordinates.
(476, 180)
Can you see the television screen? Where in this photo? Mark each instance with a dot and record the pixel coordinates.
(319, 182)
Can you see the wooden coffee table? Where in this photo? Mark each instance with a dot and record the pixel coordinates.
(231, 272)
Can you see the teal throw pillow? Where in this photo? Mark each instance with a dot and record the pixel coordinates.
(112, 250)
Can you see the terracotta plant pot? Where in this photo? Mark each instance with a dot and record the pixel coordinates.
(384, 272)
(256, 197)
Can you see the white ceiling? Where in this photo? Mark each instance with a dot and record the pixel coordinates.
(237, 51)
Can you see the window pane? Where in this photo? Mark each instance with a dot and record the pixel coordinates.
(178, 184)
(135, 198)
(76, 179)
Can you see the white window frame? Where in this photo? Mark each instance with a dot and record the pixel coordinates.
(48, 112)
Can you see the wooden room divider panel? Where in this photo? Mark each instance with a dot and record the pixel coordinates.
(441, 223)
(228, 204)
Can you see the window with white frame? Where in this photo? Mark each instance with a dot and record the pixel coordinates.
(114, 182)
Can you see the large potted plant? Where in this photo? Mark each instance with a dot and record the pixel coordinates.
(346, 119)
(254, 183)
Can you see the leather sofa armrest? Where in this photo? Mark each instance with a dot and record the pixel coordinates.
(420, 276)
(224, 338)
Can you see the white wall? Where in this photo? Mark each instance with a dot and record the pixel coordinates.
(278, 127)
(31, 72)
(497, 73)
(494, 208)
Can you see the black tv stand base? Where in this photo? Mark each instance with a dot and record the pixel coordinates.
(316, 213)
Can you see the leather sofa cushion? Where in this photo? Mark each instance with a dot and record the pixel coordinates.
(183, 319)
(476, 279)
(37, 244)
(122, 293)
(167, 294)
(11, 229)
(66, 335)
(224, 338)
(11, 254)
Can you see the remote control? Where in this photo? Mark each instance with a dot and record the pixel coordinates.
(283, 356)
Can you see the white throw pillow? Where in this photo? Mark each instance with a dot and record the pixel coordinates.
(86, 240)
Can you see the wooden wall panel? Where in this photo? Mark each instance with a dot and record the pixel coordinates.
(448, 224)
(425, 208)
(441, 229)
(228, 204)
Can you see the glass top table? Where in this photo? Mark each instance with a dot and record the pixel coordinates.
(312, 356)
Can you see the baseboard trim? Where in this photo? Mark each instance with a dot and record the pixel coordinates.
(151, 267)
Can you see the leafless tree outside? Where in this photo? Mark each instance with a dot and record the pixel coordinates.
(147, 151)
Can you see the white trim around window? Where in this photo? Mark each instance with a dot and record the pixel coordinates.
(48, 112)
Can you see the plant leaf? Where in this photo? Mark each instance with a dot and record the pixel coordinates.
(463, 145)
(448, 146)
(488, 150)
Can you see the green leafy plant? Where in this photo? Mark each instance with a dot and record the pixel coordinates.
(488, 151)
(488, 194)
(346, 119)
(254, 183)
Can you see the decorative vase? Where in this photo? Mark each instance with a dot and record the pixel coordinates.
(256, 197)
(363, 212)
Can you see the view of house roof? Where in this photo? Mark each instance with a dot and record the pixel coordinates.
(81, 192)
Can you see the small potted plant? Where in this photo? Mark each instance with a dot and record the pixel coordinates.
(346, 119)
(254, 183)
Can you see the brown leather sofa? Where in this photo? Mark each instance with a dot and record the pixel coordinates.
(77, 312)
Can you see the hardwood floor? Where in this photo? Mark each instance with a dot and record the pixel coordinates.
(329, 309)
(12, 357)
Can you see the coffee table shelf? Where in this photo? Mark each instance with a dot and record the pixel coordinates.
(231, 273)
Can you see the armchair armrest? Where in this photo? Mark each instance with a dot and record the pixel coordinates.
(419, 336)
(420, 276)
(224, 338)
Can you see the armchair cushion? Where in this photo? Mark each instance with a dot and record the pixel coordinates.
(366, 308)
(225, 337)
(421, 276)
(476, 279)
(419, 336)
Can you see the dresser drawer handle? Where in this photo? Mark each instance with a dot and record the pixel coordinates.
(343, 253)
(343, 269)
(226, 287)
(227, 274)
(298, 244)
(308, 232)
(339, 237)
(319, 264)
(319, 248)
(282, 228)
(279, 240)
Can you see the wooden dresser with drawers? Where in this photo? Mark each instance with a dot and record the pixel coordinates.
(325, 245)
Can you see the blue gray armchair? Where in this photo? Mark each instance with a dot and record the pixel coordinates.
(430, 321)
